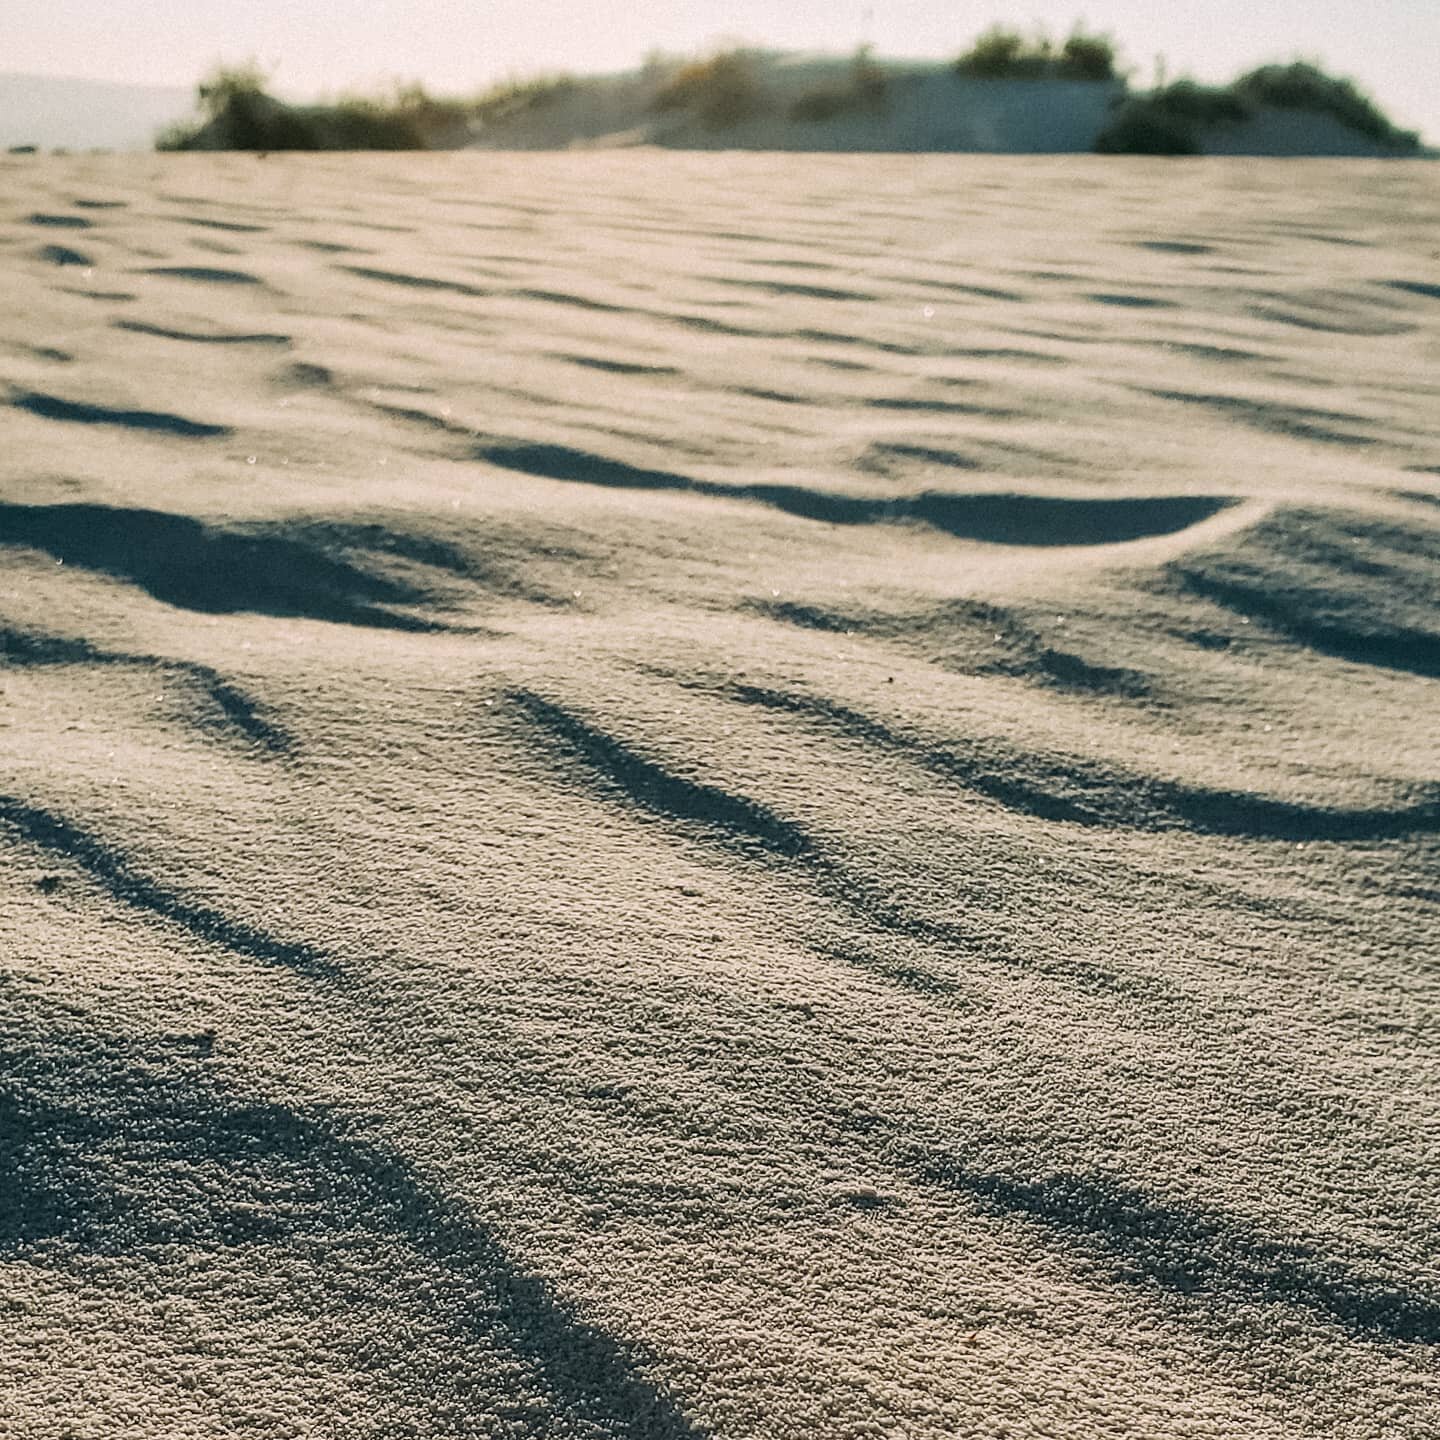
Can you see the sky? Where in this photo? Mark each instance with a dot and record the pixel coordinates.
(313, 47)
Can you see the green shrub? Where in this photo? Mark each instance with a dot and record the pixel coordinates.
(721, 90)
(1302, 86)
(228, 83)
(238, 114)
(1169, 120)
(1202, 104)
(867, 88)
(249, 123)
(1005, 54)
(1088, 57)
(231, 99)
(351, 125)
(1145, 126)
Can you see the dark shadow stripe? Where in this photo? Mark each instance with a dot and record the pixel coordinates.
(1084, 792)
(1194, 1252)
(300, 568)
(578, 302)
(1303, 618)
(971, 637)
(414, 282)
(25, 648)
(661, 793)
(139, 327)
(640, 784)
(1416, 287)
(231, 225)
(1000, 519)
(51, 407)
(1295, 421)
(63, 255)
(109, 868)
(204, 274)
(61, 222)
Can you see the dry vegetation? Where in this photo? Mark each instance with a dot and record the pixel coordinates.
(720, 90)
(1002, 53)
(1172, 119)
(237, 113)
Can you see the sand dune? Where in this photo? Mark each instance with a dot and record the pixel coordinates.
(923, 107)
(743, 796)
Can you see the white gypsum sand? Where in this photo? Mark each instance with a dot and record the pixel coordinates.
(654, 795)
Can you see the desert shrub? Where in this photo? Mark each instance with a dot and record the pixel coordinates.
(1005, 54)
(1303, 86)
(231, 99)
(1088, 57)
(515, 97)
(227, 84)
(238, 114)
(431, 115)
(1145, 126)
(263, 123)
(721, 91)
(866, 88)
(1169, 119)
(350, 125)
(1202, 104)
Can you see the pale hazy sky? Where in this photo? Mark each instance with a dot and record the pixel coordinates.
(1391, 46)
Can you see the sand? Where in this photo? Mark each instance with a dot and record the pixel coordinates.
(659, 795)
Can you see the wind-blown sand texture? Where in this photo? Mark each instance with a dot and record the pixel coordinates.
(667, 796)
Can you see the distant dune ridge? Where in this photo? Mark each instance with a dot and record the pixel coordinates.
(797, 102)
(1008, 93)
(743, 796)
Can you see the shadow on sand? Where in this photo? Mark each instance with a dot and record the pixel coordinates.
(296, 571)
(89, 1127)
(997, 519)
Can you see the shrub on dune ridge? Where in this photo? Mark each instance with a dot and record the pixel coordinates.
(720, 91)
(1303, 86)
(1170, 119)
(867, 88)
(517, 96)
(1202, 104)
(237, 113)
(1088, 57)
(1143, 127)
(1005, 54)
